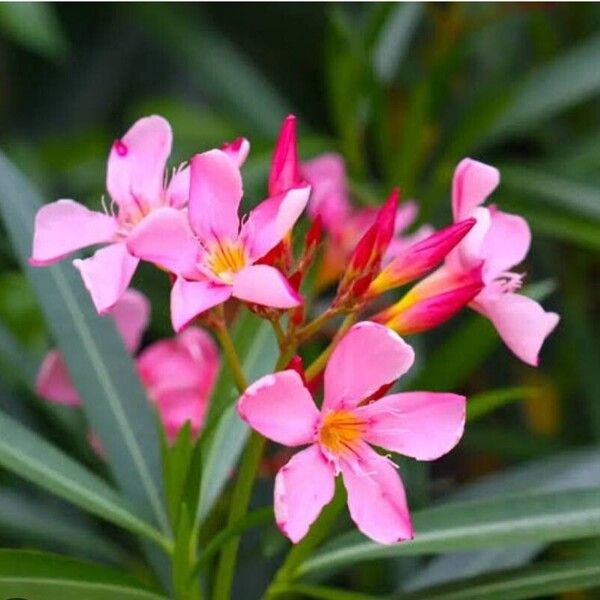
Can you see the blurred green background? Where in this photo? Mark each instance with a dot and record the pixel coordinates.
(404, 92)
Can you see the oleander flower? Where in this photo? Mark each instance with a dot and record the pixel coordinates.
(499, 241)
(423, 425)
(210, 250)
(137, 184)
(178, 373)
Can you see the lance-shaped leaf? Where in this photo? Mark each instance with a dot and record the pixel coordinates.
(113, 398)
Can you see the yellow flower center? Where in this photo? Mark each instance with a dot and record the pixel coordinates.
(227, 258)
(340, 430)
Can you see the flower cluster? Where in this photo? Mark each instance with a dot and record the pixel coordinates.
(188, 224)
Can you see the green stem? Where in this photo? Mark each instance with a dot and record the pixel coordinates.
(237, 509)
(229, 350)
(311, 328)
(279, 333)
(319, 363)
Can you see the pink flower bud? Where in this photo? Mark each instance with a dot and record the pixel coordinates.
(285, 166)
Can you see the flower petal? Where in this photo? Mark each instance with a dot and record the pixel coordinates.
(520, 321)
(280, 407)
(329, 198)
(473, 182)
(302, 488)
(136, 165)
(190, 298)
(506, 243)
(178, 190)
(271, 220)
(263, 284)
(376, 498)
(424, 425)
(54, 382)
(164, 237)
(215, 194)
(238, 150)
(64, 226)
(131, 315)
(349, 378)
(107, 274)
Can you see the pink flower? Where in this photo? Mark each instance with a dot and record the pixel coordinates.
(345, 224)
(135, 180)
(178, 373)
(499, 241)
(210, 250)
(424, 425)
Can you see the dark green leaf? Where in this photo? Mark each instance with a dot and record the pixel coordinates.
(39, 576)
(113, 398)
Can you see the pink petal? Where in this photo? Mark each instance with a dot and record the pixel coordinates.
(280, 407)
(473, 182)
(237, 150)
(302, 488)
(54, 382)
(164, 237)
(424, 425)
(405, 215)
(107, 274)
(329, 198)
(468, 254)
(376, 498)
(178, 191)
(351, 378)
(271, 220)
(64, 226)
(215, 194)
(136, 165)
(520, 321)
(506, 243)
(191, 298)
(262, 284)
(285, 166)
(131, 315)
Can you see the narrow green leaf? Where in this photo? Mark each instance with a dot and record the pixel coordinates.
(31, 519)
(394, 39)
(35, 26)
(319, 592)
(29, 456)
(533, 582)
(177, 460)
(481, 404)
(477, 524)
(113, 399)
(581, 199)
(567, 80)
(40, 576)
(257, 347)
(218, 67)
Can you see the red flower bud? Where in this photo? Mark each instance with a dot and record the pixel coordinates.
(285, 166)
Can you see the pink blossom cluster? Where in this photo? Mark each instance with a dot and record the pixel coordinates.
(188, 224)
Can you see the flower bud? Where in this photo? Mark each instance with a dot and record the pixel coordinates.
(421, 257)
(285, 166)
(432, 301)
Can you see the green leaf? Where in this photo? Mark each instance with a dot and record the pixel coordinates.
(257, 348)
(394, 39)
(319, 592)
(569, 79)
(35, 26)
(218, 67)
(34, 459)
(534, 582)
(113, 399)
(536, 185)
(481, 404)
(30, 519)
(177, 457)
(40, 576)
(477, 524)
